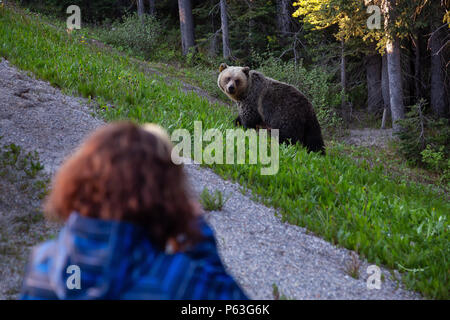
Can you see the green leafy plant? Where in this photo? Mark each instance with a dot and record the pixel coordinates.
(276, 293)
(138, 34)
(353, 266)
(25, 168)
(424, 140)
(434, 159)
(212, 201)
(11, 154)
(34, 165)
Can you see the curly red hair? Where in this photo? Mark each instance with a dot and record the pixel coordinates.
(124, 172)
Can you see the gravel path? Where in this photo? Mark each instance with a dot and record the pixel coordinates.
(369, 137)
(39, 117)
(257, 248)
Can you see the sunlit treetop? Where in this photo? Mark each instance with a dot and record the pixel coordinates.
(351, 16)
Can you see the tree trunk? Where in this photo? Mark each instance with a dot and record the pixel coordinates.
(213, 46)
(140, 7)
(343, 78)
(151, 7)
(385, 91)
(186, 25)
(373, 75)
(225, 37)
(284, 18)
(214, 41)
(251, 27)
(394, 67)
(418, 67)
(408, 83)
(395, 83)
(438, 99)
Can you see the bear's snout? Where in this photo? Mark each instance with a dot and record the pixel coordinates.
(231, 89)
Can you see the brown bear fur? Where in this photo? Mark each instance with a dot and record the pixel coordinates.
(267, 103)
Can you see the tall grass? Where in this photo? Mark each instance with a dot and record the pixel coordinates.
(393, 222)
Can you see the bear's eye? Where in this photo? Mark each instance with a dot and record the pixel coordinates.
(237, 82)
(227, 79)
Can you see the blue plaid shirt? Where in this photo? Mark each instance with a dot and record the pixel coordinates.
(116, 260)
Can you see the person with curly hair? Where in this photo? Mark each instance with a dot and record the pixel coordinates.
(132, 229)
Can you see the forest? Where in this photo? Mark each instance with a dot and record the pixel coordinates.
(379, 67)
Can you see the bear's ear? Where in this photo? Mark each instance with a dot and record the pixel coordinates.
(222, 67)
(246, 70)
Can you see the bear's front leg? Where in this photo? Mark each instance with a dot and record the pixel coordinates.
(250, 120)
(263, 126)
(247, 125)
(238, 121)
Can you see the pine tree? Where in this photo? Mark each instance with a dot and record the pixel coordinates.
(186, 25)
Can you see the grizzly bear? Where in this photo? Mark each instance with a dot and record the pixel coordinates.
(267, 103)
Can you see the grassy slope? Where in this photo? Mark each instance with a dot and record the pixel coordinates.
(400, 224)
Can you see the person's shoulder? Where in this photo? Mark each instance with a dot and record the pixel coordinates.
(212, 281)
(206, 246)
(36, 284)
(42, 254)
(206, 230)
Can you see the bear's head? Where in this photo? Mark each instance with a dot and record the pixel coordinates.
(233, 81)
